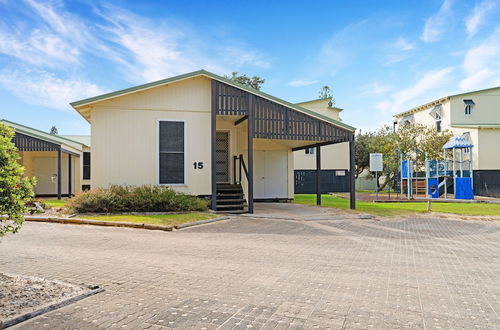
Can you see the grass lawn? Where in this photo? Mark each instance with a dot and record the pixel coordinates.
(55, 203)
(389, 209)
(157, 219)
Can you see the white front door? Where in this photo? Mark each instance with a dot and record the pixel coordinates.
(270, 174)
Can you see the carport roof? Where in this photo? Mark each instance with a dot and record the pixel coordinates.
(88, 101)
(57, 139)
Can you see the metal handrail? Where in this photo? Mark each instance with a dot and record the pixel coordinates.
(242, 166)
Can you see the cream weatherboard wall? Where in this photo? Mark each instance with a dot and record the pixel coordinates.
(124, 139)
(485, 112)
(124, 135)
(489, 150)
(43, 166)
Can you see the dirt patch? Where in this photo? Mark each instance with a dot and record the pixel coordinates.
(24, 294)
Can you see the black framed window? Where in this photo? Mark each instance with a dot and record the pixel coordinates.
(310, 151)
(86, 165)
(171, 167)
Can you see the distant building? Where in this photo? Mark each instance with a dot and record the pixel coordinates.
(334, 158)
(477, 113)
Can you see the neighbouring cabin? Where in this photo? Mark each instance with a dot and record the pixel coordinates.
(205, 135)
(54, 160)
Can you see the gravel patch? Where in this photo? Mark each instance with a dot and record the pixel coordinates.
(23, 294)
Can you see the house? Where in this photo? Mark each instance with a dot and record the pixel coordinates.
(334, 163)
(476, 113)
(205, 135)
(56, 161)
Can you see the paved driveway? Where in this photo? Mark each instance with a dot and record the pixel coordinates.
(270, 273)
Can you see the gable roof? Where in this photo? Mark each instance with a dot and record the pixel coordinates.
(57, 139)
(85, 102)
(439, 101)
(319, 101)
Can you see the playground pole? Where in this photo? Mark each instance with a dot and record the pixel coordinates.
(408, 180)
(427, 176)
(454, 174)
(461, 161)
(445, 174)
(470, 169)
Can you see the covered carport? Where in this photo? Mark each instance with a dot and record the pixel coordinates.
(53, 160)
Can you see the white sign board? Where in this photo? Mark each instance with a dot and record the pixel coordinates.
(376, 163)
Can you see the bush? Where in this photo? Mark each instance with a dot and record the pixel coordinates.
(15, 189)
(145, 198)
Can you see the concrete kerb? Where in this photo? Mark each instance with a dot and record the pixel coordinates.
(200, 222)
(46, 309)
(79, 221)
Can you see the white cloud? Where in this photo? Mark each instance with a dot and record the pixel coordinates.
(151, 50)
(43, 88)
(482, 63)
(424, 89)
(403, 45)
(375, 88)
(437, 23)
(474, 21)
(302, 82)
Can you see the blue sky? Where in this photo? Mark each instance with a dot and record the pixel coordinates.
(379, 57)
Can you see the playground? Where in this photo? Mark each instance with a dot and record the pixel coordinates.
(415, 176)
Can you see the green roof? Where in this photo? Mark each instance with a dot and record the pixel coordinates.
(83, 139)
(215, 77)
(57, 139)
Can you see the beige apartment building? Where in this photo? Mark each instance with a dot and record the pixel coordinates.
(477, 113)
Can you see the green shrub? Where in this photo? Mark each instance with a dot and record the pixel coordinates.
(147, 198)
(15, 188)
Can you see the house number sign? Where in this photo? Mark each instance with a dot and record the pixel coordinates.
(198, 165)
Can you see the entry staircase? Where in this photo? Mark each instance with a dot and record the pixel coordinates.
(230, 198)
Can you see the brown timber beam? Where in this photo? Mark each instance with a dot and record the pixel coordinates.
(239, 121)
(318, 174)
(251, 116)
(213, 204)
(352, 170)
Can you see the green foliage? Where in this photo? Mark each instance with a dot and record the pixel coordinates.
(255, 82)
(326, 93)
(53, 130)
(363, 149)
(15, 189)
(145, 198)
(413, 141)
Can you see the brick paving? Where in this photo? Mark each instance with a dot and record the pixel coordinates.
(263, 273)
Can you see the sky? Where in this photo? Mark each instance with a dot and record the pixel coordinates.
(378, 57)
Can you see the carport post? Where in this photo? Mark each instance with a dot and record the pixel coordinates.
(213, 146)
(318, 174)
(352, 168)
(69, 175)
(59, 172)
(251, 104)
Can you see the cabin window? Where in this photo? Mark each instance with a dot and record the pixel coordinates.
(86, 165)
(438, 125)
(310, 151)
(171, 166)
(469, 105)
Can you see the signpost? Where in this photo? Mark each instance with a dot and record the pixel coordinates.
(376, 165)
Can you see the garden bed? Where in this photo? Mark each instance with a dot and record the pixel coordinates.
(24, 297)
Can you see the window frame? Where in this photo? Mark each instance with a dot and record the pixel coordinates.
(468, 107)
(89, 165)
(307, 151)
(185, 183)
